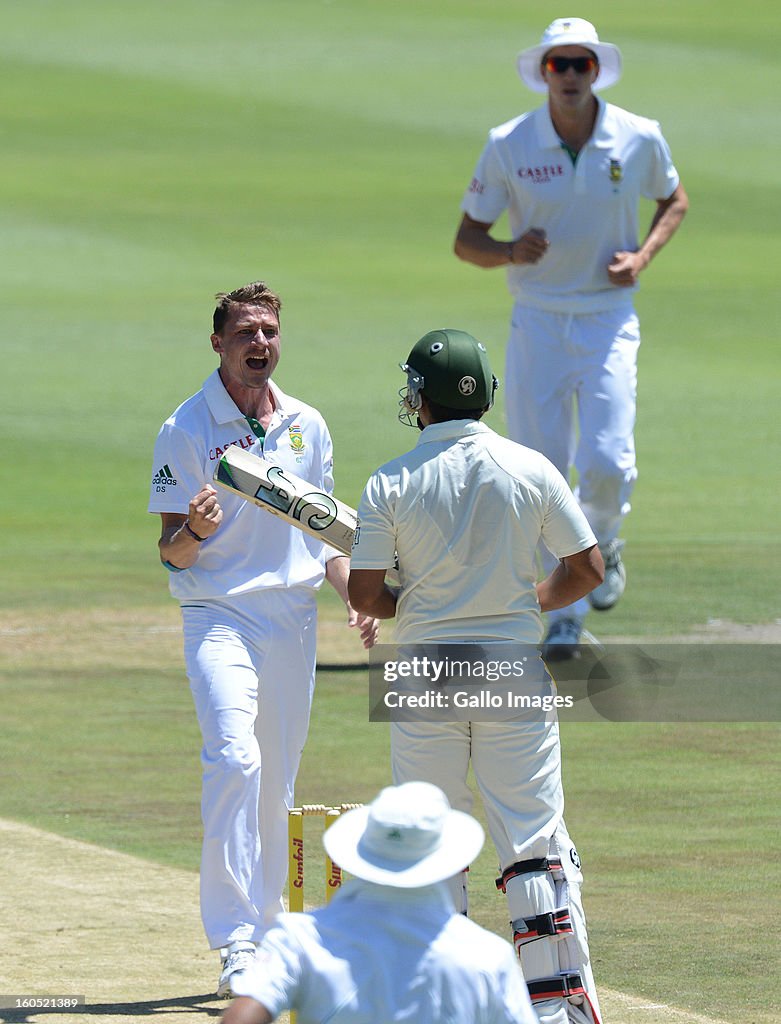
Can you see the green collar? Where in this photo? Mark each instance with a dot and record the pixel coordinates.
(256, 427)
(573, 155)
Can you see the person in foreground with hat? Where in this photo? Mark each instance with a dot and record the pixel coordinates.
(570, 175)
(390, 945)
(463, 513)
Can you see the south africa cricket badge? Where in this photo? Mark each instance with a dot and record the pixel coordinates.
(616, 172)
(296, 438)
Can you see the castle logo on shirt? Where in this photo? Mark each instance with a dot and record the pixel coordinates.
(541, 175)
(616, 171)
(246, 443)
(296, 438)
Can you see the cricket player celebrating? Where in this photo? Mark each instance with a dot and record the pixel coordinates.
(464, 511)
(570, 175)
(247, 586)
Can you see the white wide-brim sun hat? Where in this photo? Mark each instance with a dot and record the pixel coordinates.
(570, 32)
(408, 837)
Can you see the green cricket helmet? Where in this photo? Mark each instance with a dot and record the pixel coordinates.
(450, 368)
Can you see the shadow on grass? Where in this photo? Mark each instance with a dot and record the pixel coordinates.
(325, 666)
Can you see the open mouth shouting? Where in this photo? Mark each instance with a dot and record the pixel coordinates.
(248, 345)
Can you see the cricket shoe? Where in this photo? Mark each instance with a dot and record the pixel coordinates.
(562, 641)
(604, 596)
(237, 958)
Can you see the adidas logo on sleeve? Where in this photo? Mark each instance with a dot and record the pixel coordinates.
(163, 478)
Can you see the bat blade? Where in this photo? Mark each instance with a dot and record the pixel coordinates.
(279, 492)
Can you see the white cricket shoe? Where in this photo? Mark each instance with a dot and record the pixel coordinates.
(237, 958)
(562, 640)
(604, 596)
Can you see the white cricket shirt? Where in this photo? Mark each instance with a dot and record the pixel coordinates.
(251, 549)
(465, 510)
(382, 954)
(589, 210)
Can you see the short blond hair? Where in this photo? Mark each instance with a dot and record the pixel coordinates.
(257, 293)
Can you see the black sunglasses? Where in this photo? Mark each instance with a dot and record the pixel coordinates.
(581, 65)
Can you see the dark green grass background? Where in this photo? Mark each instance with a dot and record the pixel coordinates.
(154, 153)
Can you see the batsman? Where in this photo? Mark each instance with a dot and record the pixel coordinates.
(464, 511)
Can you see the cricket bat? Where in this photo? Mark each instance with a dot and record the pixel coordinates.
(282, 494)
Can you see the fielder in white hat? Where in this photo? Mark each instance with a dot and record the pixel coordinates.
(390, 945)
(570, 175)
(569, 32)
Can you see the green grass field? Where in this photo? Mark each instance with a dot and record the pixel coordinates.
(156, 153)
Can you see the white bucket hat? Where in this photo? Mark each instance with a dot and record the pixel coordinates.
(570, 32)
(408, 837)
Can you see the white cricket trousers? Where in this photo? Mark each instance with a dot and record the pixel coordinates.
(571, 393)
(517, 768)
(251, 665)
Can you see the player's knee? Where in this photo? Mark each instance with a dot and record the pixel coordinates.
(606, 467)
(549, 934)
(233, 757)
(544, 934)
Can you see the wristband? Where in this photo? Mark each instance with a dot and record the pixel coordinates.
(510, 252)
(173, 568)
(192, 532)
